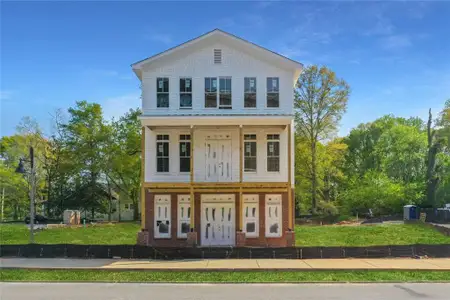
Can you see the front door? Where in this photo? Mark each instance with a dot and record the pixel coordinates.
(217, 220)
(218, 160)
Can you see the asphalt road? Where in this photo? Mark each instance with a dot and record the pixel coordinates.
(129, 291)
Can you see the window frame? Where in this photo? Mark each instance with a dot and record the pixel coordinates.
(185, 92)
(255, 141)
(277, 92)
(186, 141)
(251, 201)
(163, 141)
(273, 201)
(163, 92)
(246, 92)
(164, 202)
(227, 92)
(274, 138)
(211, 93)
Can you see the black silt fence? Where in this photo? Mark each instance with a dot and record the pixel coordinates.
(144, 252)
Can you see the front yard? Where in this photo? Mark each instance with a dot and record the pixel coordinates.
(125, 233)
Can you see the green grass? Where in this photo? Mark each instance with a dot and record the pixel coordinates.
(243, 277)
(105, 234)
(368, 235)
(125, 233)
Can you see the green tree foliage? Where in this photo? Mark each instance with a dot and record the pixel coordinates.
(320, 100)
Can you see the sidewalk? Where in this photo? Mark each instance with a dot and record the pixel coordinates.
(437, 264)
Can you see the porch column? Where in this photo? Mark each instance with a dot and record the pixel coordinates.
(143, 178)
(241, 166)
(192, 220)
(290, 202)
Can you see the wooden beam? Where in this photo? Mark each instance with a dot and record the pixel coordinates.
(143, 178)
(289, 168)
(241, 175)
(196, 185)
(191, 197)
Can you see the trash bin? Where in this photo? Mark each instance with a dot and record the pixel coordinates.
(409, 212)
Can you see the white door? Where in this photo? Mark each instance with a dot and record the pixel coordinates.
(224, 160)
(217, 220)
(218, 160)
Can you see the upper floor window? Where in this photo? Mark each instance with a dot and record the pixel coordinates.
(162, 153)
(162, 92)
(250, 153)
(186, 92)
(210, 92)
(249, 92)
(225, 93)
(273, 153)
(273, 92)
(185, 153)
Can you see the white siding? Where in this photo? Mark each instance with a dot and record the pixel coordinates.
(261, 175)
(199, 64)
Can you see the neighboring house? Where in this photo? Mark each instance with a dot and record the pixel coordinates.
(217, 138)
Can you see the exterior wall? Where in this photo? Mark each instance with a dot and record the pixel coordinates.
(198, 64)
(261, 175)
(174, 241)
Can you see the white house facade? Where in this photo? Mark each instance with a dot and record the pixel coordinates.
(217, 136)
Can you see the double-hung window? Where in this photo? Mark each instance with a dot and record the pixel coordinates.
(250, 92)
(273, 153)
(250, 153)
(162, 92)
(273, 92)
(210, 92)
(225, 93)
(185, 92)
(162, 153)
(185, 153)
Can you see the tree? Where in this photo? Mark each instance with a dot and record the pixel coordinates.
(124, 156)
(320, 100)
(86, 138)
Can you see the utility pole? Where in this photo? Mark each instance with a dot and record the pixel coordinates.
(3, 201)
(32, 194)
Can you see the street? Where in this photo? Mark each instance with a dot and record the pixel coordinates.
(131, 291)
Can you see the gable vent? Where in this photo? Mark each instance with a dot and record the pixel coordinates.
(217, 56)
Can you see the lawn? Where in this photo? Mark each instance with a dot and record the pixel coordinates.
(368, 235)
(125, 233)
(241, 277)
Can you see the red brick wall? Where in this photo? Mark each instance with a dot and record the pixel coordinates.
(261, 241)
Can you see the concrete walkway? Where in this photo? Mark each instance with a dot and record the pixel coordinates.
(438, 264)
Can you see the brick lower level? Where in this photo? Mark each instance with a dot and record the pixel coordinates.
(146, 237)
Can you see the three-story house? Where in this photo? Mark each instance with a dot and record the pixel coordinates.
(217, 144)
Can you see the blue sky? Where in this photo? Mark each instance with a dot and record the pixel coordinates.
(395, 55)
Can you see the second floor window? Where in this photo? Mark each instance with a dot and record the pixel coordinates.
(225, 93)
(185, 92)
(162, 153)
(210, 92)
(273, 153)
(162, 92)
(249, 92)
(250, 153)
(185, 153)
(273, 92)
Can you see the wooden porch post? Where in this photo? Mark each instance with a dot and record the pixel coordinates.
(241, 166)
(143, 178)
(290, 202)
(191, 198)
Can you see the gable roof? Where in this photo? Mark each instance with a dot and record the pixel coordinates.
(137, 66)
